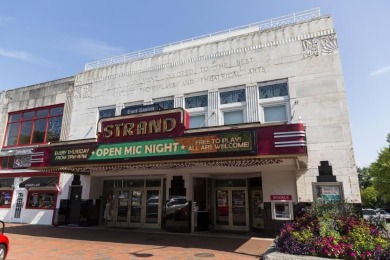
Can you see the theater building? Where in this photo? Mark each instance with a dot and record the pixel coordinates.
(236, 130)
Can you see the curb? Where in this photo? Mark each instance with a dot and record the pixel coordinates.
(273, 254)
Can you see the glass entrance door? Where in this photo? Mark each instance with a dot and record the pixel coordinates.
(122, 216)
(153, 201)
(134, 209)
(136, 206)
(231, 209)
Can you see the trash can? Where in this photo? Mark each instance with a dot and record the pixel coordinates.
(203, 221)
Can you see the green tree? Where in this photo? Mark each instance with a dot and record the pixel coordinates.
(380, 171)
(369, 197)
(364, 178)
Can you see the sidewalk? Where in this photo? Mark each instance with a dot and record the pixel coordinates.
(48, 242)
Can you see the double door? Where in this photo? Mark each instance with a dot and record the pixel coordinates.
(231, 208)
(138, 207)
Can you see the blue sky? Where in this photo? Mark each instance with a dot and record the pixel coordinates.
(45, 40)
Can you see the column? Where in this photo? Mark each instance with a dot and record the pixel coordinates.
(252, 102)
(213, 108)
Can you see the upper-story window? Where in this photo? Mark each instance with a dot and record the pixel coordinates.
(232, 106)
(274, 101)
(166, 104)
(34, 126)
(196, 106)
(106, 112)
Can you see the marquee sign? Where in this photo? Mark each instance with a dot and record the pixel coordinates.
(207, 144)
(152, 125)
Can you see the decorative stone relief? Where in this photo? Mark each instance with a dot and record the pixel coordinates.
(34, 94)
(83, 91)
(310, 48)
(324, 45)
(329, 44)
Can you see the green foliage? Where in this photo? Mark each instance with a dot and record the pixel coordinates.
(332, 209)
(380, 171)
(364, 177)
(369, 197)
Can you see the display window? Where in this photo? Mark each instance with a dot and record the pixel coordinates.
(41, 199)
(5, 198)
(327, 191)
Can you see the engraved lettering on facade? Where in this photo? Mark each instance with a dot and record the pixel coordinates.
(222, 76)
(256, 70)
(241, 62)
(221, 66)
(168, 85)
(188, 82)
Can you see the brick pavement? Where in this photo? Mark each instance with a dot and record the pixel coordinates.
(48, 242)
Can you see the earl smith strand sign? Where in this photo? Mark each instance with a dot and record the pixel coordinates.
(218, 143)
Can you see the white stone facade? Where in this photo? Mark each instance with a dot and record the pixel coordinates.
(305, 54)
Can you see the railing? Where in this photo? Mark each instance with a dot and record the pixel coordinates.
(263, 25)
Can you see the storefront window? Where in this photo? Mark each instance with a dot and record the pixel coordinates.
(5, 199)
(41, 199)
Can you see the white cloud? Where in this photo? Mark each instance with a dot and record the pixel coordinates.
(380, 71)
(19, 55)
(93, 49)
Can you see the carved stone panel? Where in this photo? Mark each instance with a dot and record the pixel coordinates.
(83, 91)
(310, 48)
(324, 45)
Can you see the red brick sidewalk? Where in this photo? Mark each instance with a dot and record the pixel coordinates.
(48, 242)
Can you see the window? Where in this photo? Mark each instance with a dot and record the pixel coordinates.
(232, 105)
(41, 199)
(197, 106)
(197, 120)
(233, 117)
(5, 198)
(275, 113)
(106, 112)
(196, 101)
(166, 104)
(41, 125)
(273, 100)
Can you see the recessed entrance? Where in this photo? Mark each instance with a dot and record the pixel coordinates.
(134, 206)
(231, 211)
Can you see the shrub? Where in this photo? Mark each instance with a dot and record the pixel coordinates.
(334, 230)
